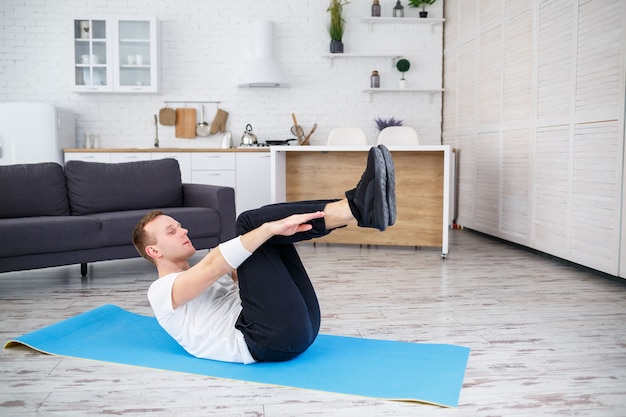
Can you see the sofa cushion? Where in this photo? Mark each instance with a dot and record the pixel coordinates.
(33, 235)
(117, 227)
(95, 187)
(29, 190)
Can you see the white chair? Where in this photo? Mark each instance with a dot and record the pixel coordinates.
(347, 136)
(398, 135)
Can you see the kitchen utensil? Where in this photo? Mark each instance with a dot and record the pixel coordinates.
(185, 123)
(203, 128)
(296, 129)
(156, 132)
(297, 132)
(219, 121)
(226, 140)
(307, 137)
(279, 142)
(248, 137)
(167, 116)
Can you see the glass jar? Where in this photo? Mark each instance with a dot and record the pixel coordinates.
(375, 80)
(376, 8)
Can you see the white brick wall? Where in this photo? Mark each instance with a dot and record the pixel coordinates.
(203, 47)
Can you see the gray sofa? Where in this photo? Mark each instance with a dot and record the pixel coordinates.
(52, 215)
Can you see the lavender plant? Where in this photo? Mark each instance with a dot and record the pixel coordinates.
(383, 123)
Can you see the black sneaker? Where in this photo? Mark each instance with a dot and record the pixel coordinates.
(391, 184)
(368, 201)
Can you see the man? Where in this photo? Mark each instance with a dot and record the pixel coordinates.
(273, 313)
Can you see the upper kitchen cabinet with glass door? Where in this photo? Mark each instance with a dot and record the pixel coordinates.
(92, 58)
(116, 55)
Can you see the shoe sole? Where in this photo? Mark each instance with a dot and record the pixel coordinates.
(381, 206)
(391, 184)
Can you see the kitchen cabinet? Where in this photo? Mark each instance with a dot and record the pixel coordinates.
(184, 162)
(119, 157)
(104, 157)
(253, 180)
(214, 168)
(115, 55)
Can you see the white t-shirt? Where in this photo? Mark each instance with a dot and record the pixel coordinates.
(204, 326)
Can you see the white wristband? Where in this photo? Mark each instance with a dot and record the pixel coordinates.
(233, 252)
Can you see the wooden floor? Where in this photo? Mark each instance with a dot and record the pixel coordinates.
(547, 339)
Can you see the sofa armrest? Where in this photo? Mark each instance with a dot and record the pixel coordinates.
(219, 198)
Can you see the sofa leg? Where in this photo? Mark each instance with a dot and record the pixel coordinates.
(83, 270)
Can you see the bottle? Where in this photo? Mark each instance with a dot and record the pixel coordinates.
(375, 80)
(376, 8)
(398, 10)
(88, 140)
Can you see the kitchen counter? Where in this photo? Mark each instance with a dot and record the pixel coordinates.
(166, 150)
(423, 189)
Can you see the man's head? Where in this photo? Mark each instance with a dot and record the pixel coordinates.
(158, 236)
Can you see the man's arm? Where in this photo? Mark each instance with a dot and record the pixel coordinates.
(191, 283)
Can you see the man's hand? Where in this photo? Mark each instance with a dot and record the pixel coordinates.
(191, 283)
(294, 224)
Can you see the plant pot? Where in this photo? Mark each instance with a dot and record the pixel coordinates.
(423, 15)
(336, 47)
(402, 83)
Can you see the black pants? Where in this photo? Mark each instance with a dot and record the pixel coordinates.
(281, 315)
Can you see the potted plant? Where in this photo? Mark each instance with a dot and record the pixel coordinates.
(337, 25)
(383, 123)
(403, 66)
(422, 4)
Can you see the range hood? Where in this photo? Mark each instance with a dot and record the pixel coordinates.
(262, 70)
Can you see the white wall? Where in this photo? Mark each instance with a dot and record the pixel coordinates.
(204, 44)
(534, 104)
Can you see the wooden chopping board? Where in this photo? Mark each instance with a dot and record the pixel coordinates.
(185, 123)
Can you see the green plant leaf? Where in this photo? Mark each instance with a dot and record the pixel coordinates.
(403, 65)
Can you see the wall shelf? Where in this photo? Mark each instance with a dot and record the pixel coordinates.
(431, 91)
(413, 20)
(391, 56)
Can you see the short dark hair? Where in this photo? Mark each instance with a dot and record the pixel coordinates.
(143, 239)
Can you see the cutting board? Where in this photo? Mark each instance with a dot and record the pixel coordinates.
(186, 123)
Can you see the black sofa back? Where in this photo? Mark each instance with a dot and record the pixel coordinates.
(98, 187)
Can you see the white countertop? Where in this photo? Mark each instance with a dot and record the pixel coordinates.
(334, 148)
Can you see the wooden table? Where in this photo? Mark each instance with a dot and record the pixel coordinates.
(423, 184)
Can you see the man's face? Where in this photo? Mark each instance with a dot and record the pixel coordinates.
(172, 242)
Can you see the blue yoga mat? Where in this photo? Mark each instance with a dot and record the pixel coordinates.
(429, 373)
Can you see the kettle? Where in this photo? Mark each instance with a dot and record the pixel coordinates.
(248, 137)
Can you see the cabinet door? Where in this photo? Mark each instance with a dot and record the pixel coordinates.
(93, 70)
(136, 56)
(213, 161)
(116, 55)
(222, 178)
(117, 157)
(253, 180)
(184, 162)
(213, 168)
(88, 156)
